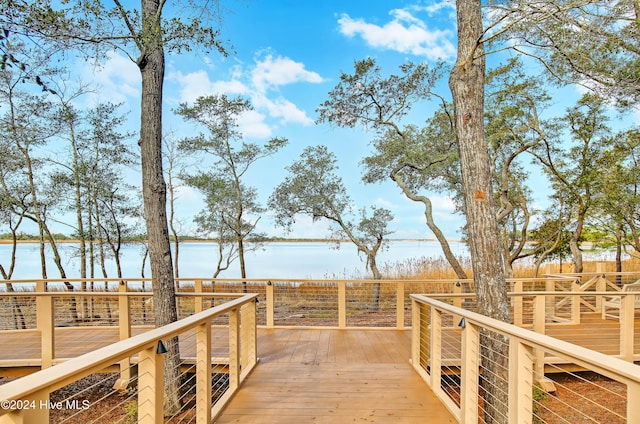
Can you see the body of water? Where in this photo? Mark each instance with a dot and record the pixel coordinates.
(296, 260)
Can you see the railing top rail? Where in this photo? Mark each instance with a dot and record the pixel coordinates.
(111, 294)
(594, 273)
(266, 280)
(531, 294)
(611, 367)
(299, 280)
(241, 280)
(55, 377)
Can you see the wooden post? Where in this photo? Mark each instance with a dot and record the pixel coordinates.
(539, 326)
(416, 337)
(627, 311)
(248, 342)
(400, 305)
(45, 324)
(457, 301)
(35, 410)
(203, 373)
(151, 386)
(575, 303)
(435, 350)
(469, 374)
(517, 303)
(124, 328)
(539, 306)
(342, 304)
(550, 300)
(198, 303)
(633, 402)
(270, 310)
(234, 350)
(520, 382)
(601, 284)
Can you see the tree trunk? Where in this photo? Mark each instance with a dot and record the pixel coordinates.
(467, 87)
(82, 242)
(371, 261)
(243, 266)
(574, 243)
(176, 239)
(151, 64)
(428, 214)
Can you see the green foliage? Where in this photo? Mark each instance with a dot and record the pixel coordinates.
(313, 188)
(593, 43)
(232, 208)
(131, 411)
(538, 396)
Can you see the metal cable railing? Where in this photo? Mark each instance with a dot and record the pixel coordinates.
(485, 370)
(208, 376)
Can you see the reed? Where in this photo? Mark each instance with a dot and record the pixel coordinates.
(437, 268)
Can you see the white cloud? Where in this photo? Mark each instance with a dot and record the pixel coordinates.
(252, 125)
(271, 72)
(118, 78)
(444, 209)
(439, 6)
(404, 33)
(260, 84)
(187, 195)
(192, 85)
(281, 108)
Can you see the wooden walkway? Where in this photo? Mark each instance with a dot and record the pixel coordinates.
(304, 374)
(313, 374)
(334, 376)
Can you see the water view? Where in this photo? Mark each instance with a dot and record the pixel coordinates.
(273, 260)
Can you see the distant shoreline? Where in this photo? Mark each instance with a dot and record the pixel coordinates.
(280, 240)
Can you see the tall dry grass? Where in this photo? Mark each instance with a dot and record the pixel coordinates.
(430, 268)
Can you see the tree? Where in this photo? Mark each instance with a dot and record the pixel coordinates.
(223, 184)
(586, 42)
(12, 215)
(575, 170)
(618, 207)
(174, 162)
(551, 235)
(415, 159)
(143, 35)
(466, 82)
(313, 188)
(26, 126)
(110, 199)
(229, 206)
(513, 127)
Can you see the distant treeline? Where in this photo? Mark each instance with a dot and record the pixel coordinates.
(138, 238)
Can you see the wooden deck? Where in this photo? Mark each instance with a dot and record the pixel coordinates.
(313, 374)
(330, 376)
(304, 375)
(21, 350)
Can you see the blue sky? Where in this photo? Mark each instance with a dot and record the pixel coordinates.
(286, 56)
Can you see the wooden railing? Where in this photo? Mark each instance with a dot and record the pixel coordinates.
(335, 303)
(526, 351)
(26, 400)
(51, 308)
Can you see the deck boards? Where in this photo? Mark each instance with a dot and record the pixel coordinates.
(331, 376)
(22, 348)
(319, 375)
